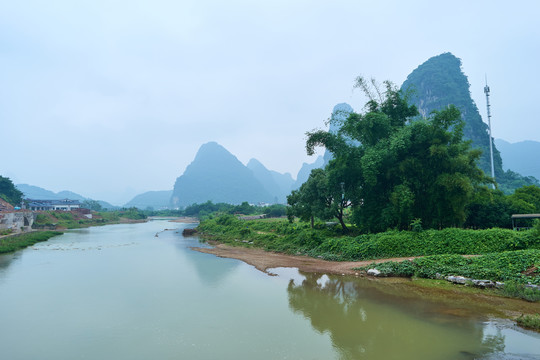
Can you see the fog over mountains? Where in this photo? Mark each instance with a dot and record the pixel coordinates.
(38, 193)
(217, 175)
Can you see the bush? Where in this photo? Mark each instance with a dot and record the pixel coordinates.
(16, 242)
(529, 322)
(514, 289)
(514, 267)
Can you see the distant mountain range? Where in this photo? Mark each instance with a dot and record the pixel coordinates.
(522, 157)
(151, 199)
(217, 175)
(38, 193)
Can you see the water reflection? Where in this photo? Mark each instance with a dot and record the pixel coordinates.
(363, 323)
(208, 270)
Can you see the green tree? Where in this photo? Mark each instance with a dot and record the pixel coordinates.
(488, 209)
(321, 196)
(9, 192)
(92, 205)
(401, 167)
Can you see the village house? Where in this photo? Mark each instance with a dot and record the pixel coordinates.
(43, 205)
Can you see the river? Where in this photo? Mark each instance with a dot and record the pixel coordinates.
(120, 292)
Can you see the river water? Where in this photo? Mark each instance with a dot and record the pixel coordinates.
(120, 292)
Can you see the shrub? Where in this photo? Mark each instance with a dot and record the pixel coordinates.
(514, 289)
(529, 322)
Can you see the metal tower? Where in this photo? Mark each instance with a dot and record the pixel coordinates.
(486, 91)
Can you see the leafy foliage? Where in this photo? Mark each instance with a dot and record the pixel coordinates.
(397, 168)
(16, 242)
(9, 192)
(440, 82)
(208, 209)
(329, 242)
(505, 266)
(320, 196)
(529, 322)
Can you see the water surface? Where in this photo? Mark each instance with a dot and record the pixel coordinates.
(120, 292)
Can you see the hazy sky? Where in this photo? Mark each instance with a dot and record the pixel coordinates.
(112, 98)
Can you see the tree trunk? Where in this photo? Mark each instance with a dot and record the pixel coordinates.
(340, 218)
(312, 221)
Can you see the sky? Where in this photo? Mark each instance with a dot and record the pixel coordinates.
(111, 98)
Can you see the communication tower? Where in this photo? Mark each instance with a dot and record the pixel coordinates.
(486, 91)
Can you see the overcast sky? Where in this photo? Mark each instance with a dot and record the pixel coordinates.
(112, 98)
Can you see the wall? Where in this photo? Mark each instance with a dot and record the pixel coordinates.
(16, 220)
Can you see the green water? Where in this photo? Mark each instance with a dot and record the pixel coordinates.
(119, 292)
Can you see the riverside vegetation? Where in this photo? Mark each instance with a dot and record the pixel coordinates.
(47, 220)
(400, 185)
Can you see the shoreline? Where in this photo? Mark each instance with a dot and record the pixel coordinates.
(264, 260)
(487, 302)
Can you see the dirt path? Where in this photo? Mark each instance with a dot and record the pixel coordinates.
(264, 260)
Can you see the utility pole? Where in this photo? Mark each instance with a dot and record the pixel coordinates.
(486, 91)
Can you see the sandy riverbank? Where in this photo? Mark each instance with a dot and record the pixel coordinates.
(264, 260)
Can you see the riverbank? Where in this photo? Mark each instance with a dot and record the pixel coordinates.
(264, 260)
(16, 242)
(486, 301)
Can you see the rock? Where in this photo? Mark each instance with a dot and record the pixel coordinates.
(374, 272)
(457, 279)
(483, 283)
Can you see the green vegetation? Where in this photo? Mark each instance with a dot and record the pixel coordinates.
(391, 167)
(440, 82)
(516, 267)
(208, 209)
(328, 241)
(16, 242)
(9, 192)
(529, 322)
(520, 291)
(75, 220)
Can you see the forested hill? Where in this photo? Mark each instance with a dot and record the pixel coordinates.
(440, 82)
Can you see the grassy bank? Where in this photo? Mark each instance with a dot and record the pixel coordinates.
(20, 241)
(507, 256)
(330, 244)
(518, 267)
(531, 322)
(74, 220)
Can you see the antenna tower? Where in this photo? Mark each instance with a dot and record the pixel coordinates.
(486, 91)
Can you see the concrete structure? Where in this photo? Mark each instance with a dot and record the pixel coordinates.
(15, 220)
(19, 220)
(42, 205)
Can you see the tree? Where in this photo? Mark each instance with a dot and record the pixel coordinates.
(92, 205)
(401, 167)
(9, 192)
(320, 196)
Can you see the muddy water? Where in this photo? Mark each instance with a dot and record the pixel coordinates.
(120, 292)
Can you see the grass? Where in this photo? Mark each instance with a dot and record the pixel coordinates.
(514, 267)
(531, 322)
(516, 290)
(331, 244)
(73, 220)
(17, 242)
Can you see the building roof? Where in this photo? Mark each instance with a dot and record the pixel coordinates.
(32, 202)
